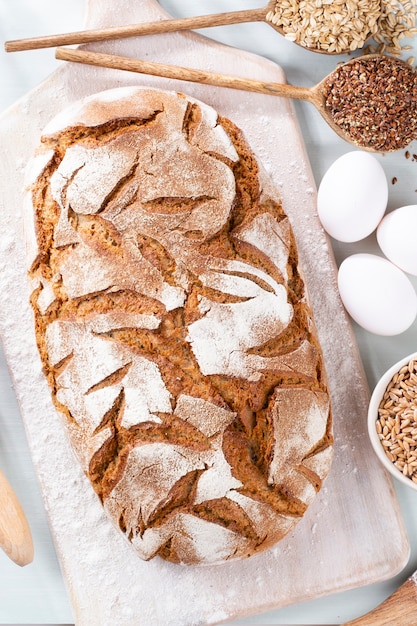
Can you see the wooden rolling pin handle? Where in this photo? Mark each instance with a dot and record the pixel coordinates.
(15, 535)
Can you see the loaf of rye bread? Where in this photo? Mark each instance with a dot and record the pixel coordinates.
(173, 325)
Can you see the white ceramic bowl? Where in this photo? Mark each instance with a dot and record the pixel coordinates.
(374, 403)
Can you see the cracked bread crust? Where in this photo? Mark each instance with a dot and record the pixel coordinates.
(173, 326)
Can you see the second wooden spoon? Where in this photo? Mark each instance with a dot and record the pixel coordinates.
(370, 101)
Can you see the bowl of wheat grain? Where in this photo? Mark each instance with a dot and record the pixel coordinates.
(392, 420)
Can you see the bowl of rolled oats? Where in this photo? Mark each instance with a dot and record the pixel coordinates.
(392, 420)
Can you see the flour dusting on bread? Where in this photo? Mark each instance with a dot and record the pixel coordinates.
(174, 327)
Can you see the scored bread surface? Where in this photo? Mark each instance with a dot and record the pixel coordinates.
(173, 326)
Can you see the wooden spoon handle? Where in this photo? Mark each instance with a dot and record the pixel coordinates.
(183, 73)
(400, 608)
(133, 30)
(15, 535)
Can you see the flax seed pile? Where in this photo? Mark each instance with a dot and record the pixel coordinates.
(396, 424)
(374, 101)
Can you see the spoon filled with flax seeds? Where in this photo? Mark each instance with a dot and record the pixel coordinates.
(372, 102)
(369, 101)
(326, 26)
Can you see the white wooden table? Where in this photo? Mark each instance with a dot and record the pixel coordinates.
(37, 594)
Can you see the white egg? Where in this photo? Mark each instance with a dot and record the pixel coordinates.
(352, 196)
(397, 237)
(377, 294)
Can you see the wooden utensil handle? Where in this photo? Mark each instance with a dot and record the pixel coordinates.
(400, 608)
(15, 535)
(182, 73)
(133, 30)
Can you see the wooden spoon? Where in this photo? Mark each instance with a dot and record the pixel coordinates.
(351, 35)
(374, 141)
(399, 609)
(15, 535)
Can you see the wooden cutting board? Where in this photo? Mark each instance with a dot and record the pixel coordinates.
(352, 535)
